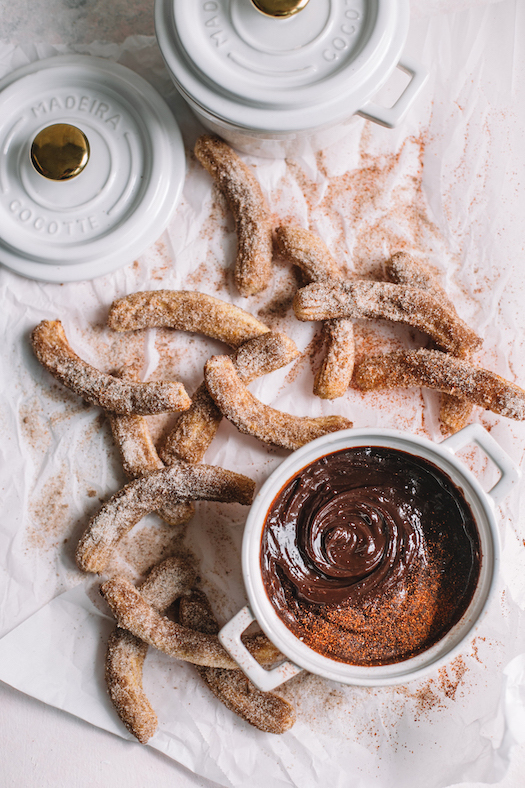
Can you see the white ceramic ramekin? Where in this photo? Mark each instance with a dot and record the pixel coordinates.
(301, 657)
(271, 86)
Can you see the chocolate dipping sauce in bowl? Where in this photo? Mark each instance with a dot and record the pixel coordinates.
(369, 556)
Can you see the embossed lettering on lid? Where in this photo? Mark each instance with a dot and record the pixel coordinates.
(259, 72)
(113, 164)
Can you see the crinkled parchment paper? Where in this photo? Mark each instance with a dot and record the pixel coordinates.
(445, 184)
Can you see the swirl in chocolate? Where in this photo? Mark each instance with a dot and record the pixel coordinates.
(370, 555)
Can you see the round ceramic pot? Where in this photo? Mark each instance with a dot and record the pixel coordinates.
(60, 223)
(276, 86)
(298, 655)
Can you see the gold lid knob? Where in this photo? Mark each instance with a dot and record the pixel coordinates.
(60, 152)
(279, 8)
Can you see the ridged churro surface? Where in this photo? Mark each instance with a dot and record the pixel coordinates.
(387, 301)
(179, 482)
(113, 394)
(139, 456)
(264, 710)
(307, 251)
(405, 269)
(193, 434)
(253, 221)
(335, 373)
(255, 418)
(185, 310)
(436, 370)
(125, 652)
(134, 614)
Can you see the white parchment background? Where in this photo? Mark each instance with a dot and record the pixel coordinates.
(446, 183)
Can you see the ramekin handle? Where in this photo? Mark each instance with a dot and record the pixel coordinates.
(393, 116)
(230, 637)
(475, 433)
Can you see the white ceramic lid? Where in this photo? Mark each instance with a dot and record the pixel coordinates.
(70, 230)
(314, 68)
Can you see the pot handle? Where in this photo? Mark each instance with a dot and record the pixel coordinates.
(475, 433)
(230, 637)
(392, 116)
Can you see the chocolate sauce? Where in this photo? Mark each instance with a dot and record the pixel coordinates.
(370, 555)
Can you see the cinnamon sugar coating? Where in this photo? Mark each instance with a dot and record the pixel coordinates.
(307, 251)
(264, 710)
(187, 311)
(406, 269)
(383, 300)
(125, 652)
(134, 613)
(253, 417)
(139, 456)
(253, 221)
(193, 434)
(436, 370)
(335, 373)
(118, 396)
(180, 482)
(454, 412)
(403, 268)
(125, 655)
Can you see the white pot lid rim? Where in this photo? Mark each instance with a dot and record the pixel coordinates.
(223, 56)
(106, 216)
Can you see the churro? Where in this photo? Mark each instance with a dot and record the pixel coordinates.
(180, 482)
(134, 613)
(405, 269)
(307, 251)
(436, 370)
(253, 221)
(252, 417)
(125, 655)
(264, 710)
(118, 396)
(194, 431)
(139, 455)
(335, 373)
(125, 652)
(387, 301)
(185, 310)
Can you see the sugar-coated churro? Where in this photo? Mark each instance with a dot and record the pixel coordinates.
(264, 710)
(193, 434)
(125, 652)
(403, 268)
(139, 455)
(125, 655)
(251, 416)
(387, 301)
(118, 396)
(185, 310)
(306, 250)
(436, 370)
(180, 482)
(406, 269)
(253, 221)
(335, 373)
(167, 581)
(135, 614)
(454, 412)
